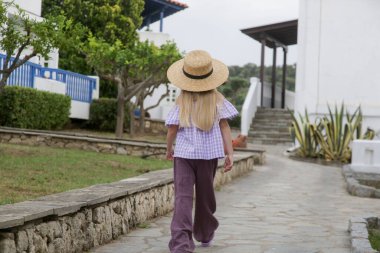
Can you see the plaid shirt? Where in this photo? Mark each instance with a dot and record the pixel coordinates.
(194, 143)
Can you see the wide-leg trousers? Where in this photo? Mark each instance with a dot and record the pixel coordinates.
(187, 173)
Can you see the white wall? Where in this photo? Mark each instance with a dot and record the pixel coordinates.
(49, 85)
(157, 38)
(31, 6)
(161, 111)
(267, 97)
(339, 56)
(79, 110)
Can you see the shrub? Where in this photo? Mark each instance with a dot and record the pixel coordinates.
(235, 122)
(103, 114)
(331, 135)
(30, 108)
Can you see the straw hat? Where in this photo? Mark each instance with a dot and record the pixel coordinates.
(197, 71)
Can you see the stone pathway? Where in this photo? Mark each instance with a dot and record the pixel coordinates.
(284, 206)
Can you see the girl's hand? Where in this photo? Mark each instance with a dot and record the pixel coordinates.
(169, 154)
(228, 163)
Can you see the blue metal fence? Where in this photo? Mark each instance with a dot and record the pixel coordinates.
(78, 87)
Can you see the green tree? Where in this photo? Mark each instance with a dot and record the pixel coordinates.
(109, 20)
(23, 37)
(133, 68)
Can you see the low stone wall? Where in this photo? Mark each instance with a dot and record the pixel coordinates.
(65, 140)
(96, 144)
(354, 187)
(78, 220)
(358, 228)
(154, 126)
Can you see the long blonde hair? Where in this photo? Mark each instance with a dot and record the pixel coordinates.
(198, 108)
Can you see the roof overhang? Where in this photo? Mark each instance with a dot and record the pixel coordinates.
(153, 9)
(275, 35)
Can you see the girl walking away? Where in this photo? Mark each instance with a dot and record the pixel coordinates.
(199, 124)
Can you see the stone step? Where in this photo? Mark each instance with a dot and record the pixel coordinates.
(276, 129)
(268, 135)
(270, 141)
(275, 110)
(269, 122)
(272, 117)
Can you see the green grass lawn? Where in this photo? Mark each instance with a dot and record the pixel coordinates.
(29, 172)
(374, 238)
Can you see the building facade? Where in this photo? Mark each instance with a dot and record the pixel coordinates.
(339, 57)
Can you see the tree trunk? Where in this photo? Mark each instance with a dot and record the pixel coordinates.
(142, 114)
(120, 111)
(132, 120)
(3, 81)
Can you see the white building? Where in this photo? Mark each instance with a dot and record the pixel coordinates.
(338, 56)
(157, 10)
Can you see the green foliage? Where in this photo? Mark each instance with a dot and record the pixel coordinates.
(30, 108)
(235, 122)
(252, 70)
(374, 238)
(331, 136)
(108, 20)
(135, 69)
(19, 32)
(103, 114)
(143, 61)
(301, 130)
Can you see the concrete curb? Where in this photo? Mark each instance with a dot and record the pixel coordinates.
(358, 229)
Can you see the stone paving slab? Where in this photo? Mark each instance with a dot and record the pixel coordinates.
(285, 206)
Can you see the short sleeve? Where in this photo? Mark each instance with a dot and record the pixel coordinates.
(173, 117)
(227, 110)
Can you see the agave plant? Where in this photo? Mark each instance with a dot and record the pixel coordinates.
(302, 130)
(335, 135)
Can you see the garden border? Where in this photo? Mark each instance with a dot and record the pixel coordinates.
(78, 220)
(357, 189)
(358, 228)
(95, 143)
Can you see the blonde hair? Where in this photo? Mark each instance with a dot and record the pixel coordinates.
(198, 108)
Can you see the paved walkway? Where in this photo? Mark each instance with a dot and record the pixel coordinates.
(283, 207)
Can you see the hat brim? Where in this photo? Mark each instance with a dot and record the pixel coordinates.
(218, 77)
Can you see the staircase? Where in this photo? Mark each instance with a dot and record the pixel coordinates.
(270, 127)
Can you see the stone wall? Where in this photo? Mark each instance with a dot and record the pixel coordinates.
(354, 181)
(90, 143)
(153, 126)
(97, 144)
(78, 220)
(358, 229)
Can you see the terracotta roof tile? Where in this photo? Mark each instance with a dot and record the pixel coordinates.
(177, 3)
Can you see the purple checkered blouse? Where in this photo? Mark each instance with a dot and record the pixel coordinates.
(194, 143)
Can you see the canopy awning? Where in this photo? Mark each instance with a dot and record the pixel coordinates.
(156, 10)
(284, 33)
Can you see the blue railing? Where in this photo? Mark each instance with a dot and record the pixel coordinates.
(78, 87)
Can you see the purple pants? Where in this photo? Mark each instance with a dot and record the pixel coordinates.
(187, 173)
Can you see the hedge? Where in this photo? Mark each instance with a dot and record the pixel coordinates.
(103, 113)
(33, 109)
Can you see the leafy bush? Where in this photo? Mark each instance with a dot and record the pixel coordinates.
(30, 108)
(329, 137)
(103, 114)
(235, 122)
(301, 130)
